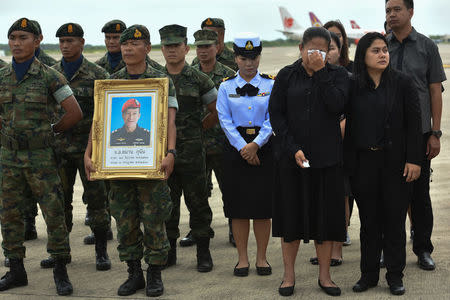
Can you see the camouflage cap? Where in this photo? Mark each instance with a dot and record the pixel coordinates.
(205, 37)
(173, 34)
(213, 22)
(135, 32)
(37, 25)
(114, 26)
(70, 29)
(23, 24)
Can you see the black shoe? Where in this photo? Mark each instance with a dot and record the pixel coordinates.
(87, 219)
(397, 288)
(382, 265)
(425, 261)
(335, 262)
(172, 256)
(286, 291)
(17, 276)
(62, 282)
(49, 262)
(135, 279)
(6, 263)
(30, 229)
(363, 285)
(102, 262)
(204, 259)
(188, 240)
(314, 261)
(241, 272)
(262, 271)
(330, 290)
(155, 285)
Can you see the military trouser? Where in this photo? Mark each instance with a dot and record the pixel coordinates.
(146, 201)
(190, 179)
(45, 186)
(214, 162)
(94, 192)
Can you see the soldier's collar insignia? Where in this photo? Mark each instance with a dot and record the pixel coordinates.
(249, 45)
(70, 28)
(137, 34)
(117, 27)
(208, 22)
(24, 23)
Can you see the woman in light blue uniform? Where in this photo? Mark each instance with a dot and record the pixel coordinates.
(242, 104)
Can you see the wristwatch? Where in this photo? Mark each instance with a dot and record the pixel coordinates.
(173, 151)
(436, 133)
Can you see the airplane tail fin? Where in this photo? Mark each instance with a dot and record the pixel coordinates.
(288, 22)
(315, 22)
(354, 25)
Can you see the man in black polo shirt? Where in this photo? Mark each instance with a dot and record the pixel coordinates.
(418, 56)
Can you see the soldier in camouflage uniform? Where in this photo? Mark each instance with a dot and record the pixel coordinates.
(29, 95)
(142, 201)
(71, 145)
(112, 61)
(195, 90)
(2, 63)
(31, 209)
(214, 138)
(224, 54)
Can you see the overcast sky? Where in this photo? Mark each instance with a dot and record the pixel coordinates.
(260, 16)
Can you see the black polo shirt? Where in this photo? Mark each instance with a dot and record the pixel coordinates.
(418, 56)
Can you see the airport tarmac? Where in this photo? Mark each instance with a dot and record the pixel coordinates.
(184, 282)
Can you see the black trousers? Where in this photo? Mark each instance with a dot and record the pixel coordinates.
(421, 210)
(382, 196)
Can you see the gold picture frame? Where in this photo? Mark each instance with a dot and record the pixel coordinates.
(118, 153)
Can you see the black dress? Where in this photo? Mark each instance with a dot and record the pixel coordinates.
(305, 113)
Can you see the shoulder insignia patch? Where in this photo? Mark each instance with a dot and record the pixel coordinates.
(267, 76)
(228, 78)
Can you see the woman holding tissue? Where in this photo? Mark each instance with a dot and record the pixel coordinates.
(305, 106)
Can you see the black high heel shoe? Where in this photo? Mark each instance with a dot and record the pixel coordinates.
(330, 290)
(286, 291)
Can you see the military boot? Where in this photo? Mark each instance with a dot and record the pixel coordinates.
(204, 260)
(172, 256)
(135, 279)
(102, 262)
(49, 262)
(155, 285)
(62, 282)
(188, 240)
(30, 229)
(17, 276)
(90, 239)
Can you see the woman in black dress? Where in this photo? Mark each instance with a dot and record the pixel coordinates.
(383, 154)
(307, 101)
(339, 30)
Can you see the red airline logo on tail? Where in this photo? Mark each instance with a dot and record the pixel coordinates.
(354, 25)
(288, 22)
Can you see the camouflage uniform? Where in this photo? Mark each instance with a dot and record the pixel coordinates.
(214, 138)
(104, 63)
(146, 201)
(194, 90)
(45, 58)
(71, 146)
(2, 63)
(226, 58)
(28, 160)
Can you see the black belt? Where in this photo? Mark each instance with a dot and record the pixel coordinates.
(375, 148)
(32, 143)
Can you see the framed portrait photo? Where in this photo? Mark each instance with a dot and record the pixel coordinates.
(129, 128)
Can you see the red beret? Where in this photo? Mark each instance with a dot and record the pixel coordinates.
(131, 103)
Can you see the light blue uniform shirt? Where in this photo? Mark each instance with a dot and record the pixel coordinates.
(244, 111)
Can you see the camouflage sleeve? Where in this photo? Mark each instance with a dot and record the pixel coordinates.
(58, 85)
(208, 90)
(173, 102)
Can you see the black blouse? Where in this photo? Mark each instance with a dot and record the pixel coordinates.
(305, 111)
(369, 113)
